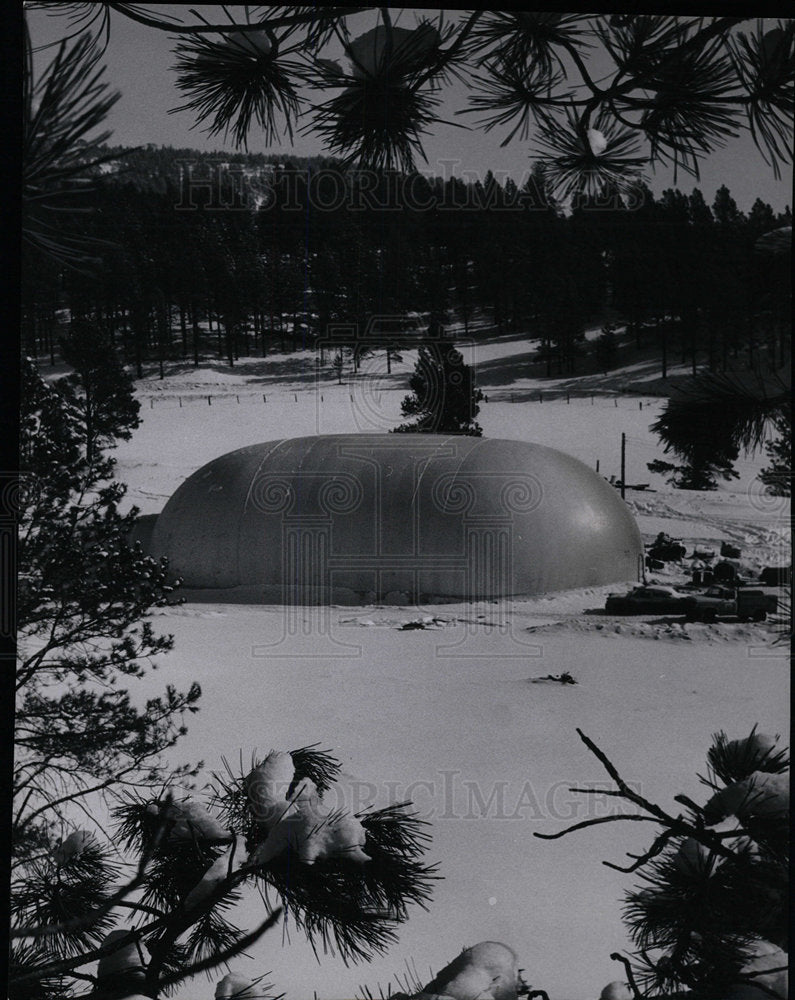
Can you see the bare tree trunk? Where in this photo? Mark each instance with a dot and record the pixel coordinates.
(138, 331)
(229, 328)
(161, 322)
(196, 333)
(184, 328)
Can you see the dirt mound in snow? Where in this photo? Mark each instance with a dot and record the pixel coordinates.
(414, 622)
(672, 630)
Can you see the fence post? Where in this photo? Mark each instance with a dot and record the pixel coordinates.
(209, 400)
(623, 464)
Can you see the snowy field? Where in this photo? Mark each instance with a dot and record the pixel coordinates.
(448, 715)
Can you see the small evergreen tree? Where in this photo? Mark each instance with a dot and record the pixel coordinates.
(778, 475)
(338, 364)
(99, 391)
(712, 418)
(708, 422)
(444, 397)
(701, 472)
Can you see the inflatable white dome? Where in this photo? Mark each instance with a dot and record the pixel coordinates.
(354, 518)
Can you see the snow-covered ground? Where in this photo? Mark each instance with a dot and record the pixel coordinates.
(448, 715)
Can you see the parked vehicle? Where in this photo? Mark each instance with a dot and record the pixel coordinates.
(745, 603)
(776, 576)
(666, 548)
(731, 573)
(652, 599)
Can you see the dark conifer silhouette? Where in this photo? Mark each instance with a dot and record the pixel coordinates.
(444, 398)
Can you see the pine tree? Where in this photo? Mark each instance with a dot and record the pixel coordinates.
(444, 397)
(708, 422)
(152, 905)
(713, 900)
(99, 392)
(606, 346)
(724, 208)
(83, 595)
(702, 471)
(705, 472)
(778, 475)
(761, 218)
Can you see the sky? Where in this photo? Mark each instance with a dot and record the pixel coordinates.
(139, 61)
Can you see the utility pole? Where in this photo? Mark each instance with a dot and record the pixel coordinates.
(623, 464)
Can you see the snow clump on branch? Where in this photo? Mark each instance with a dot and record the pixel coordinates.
(293, 817)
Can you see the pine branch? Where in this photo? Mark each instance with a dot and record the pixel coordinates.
(616, 957)
(67, 965)
(625, 790)
(223, 956)
(447, 56)
(116, 899)
(134, 14)
(616, 817)
(674, 825)
(641, 859)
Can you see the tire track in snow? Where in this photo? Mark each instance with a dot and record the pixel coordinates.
(745, 532)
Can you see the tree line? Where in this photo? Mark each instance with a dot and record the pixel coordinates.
(216, 255)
